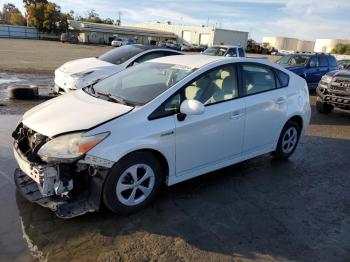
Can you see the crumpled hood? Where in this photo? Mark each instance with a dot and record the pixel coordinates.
(340, 73)
(71, 112)
(85, 64)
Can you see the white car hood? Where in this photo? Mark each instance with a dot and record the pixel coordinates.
(81, 65)
(75, 111)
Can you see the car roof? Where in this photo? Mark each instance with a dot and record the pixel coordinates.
(193, 61)
(227, 46)
(149, 47)
(310, 54)
(198, 61)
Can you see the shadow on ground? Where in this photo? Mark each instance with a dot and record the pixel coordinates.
(260, 209)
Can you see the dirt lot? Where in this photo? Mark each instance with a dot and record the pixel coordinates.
(259, 210)
(35, 56)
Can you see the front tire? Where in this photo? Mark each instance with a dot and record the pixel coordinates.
(324, 108)
(132, 183)
(287, 141)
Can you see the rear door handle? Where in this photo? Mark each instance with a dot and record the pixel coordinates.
(281, 100)
(237, 114)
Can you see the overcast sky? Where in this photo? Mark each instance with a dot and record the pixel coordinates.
(305, 19)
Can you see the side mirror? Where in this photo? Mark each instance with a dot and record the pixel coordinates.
(192, 107)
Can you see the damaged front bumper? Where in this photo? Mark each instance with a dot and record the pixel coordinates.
(69, 190)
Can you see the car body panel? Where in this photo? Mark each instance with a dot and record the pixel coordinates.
(121, 148)
(223, 123)
(265, 118)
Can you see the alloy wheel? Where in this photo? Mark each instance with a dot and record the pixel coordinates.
(135, 184)
(289, 140)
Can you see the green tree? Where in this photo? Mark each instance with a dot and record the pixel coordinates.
(341, 49)
(92, 17)
(46, 16)
(10, 10)
(108, 21)
(17, 19)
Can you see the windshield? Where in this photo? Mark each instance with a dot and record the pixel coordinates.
(294, 60)
(215, 51)
(142, 83)
(121, 54)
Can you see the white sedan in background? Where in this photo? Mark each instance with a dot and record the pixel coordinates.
(80, 73)
(161, 122)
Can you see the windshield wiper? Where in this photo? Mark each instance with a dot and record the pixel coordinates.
(91, 88)
(117, 99)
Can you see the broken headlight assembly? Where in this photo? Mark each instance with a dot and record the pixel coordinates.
(68, 148)
(327, 79)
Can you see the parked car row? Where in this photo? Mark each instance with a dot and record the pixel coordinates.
(331, 78)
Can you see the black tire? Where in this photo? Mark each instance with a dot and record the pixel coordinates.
(324, 108)
(280, 153)
(22, 92)
(109, 190)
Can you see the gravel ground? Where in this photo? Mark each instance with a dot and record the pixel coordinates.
(38, 56)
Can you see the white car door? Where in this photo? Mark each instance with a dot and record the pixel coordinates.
(211, 140)
(266, 107)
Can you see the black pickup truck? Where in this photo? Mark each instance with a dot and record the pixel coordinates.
(334, 91)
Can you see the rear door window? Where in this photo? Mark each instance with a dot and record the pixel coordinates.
(323, 61)
(257, 79)
(314, 61)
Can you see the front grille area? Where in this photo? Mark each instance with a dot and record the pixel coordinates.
(340, 85)
(28, 142)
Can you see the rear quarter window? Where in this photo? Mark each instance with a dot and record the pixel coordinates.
(332, 61)
(282, 79)
(241, 52)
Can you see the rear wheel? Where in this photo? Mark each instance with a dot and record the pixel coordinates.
(324, 108)
(288, 140)
(132, 183)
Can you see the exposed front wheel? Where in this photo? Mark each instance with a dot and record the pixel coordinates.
(288, 140)
(324, 108)
(132, 183)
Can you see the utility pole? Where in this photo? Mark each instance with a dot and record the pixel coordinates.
(119, 21)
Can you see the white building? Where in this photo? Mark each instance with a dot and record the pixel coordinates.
(290, 44)
(327, 45)
(196, 35)
(104, 34)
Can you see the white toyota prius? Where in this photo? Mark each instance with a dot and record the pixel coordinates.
(161, 122)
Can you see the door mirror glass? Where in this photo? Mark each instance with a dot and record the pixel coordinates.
(192, 107)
